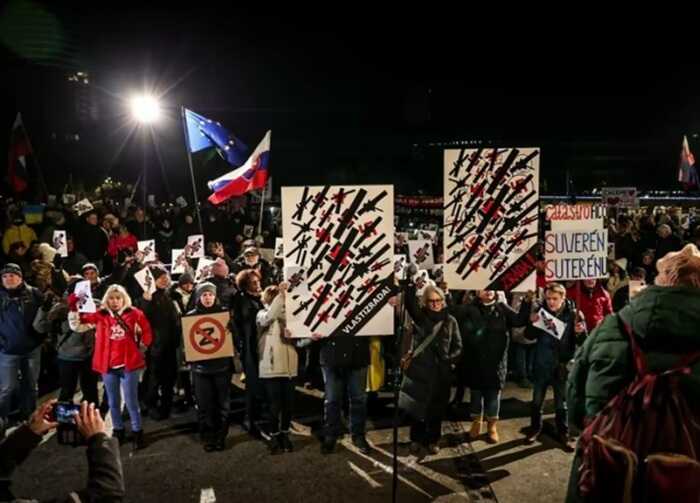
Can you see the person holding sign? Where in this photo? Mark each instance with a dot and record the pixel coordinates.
(121, 333)
(425, 390)
(485, 327)
(164, 317)
(279, 364)
(555, 325)
(212, 381)
(244, 310)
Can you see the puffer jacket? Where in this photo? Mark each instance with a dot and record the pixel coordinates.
(665, 321)
(20, 319)
(278, 357)
(103, 321)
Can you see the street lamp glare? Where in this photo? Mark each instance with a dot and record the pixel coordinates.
(145, 109)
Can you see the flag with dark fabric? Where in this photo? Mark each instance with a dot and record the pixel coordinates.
(687, 172)
(17, 157)
(205, 133)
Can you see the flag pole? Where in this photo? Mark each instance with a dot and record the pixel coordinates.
(189, 159)
(262, 205)
(34, 156)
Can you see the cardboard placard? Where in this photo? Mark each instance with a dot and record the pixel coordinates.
(195, 246)
(60, 242)
(206, 337)
(203, 269)
(145, 280)
(86, 303)
(178, 264)
(550, 324)
(148, 248)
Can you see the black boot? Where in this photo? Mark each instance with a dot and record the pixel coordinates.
(360, 442)
(119, 435)
(220, 439)
(286, 442)
(138, 440)
(275, 444)
(328, 445)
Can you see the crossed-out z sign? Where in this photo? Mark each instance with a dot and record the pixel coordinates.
(206, 336)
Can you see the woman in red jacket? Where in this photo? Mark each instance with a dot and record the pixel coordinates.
(121, 331)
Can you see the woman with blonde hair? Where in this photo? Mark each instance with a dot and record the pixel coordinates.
(427, 366)
(121, 333)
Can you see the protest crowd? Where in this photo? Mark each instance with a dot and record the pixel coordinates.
(123, 357)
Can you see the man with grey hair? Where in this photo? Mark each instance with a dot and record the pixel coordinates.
(667, 241)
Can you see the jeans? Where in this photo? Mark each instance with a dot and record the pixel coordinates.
(69, 372)
(538, 394)
(280, 393)
(352, 381)
(485, 402)
(116, 381)
(213, 394)
(10, 365)
(523, 356)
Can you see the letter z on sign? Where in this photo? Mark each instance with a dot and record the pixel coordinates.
(207, 336)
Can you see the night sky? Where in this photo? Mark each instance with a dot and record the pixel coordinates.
(351, 96)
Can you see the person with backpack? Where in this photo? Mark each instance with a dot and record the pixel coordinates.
(553, 352)
(634, 391)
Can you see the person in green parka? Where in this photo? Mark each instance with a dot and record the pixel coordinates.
(665, 318)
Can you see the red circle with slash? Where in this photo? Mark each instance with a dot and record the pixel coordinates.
(215, 343)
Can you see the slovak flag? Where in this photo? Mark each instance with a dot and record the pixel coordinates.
(252, 175)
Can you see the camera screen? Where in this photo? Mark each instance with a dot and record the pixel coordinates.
(65, 412)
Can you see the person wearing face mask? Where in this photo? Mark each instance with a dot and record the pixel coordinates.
(436, 345)
(551, 359)
(485, 328)
(212, 381)
(121, 331)
(17, 231)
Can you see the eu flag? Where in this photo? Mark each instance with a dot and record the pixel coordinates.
(205, 133)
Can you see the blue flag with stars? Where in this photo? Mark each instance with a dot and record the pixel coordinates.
(205, 133)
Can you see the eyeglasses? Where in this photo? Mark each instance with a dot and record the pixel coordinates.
(435, 301)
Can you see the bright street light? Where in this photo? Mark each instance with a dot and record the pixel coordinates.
(145, 109)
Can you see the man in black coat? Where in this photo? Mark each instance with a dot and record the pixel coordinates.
(164, 317)
(91, 240)
(244, 310)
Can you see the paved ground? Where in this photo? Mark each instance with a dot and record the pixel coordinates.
(173, 468)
